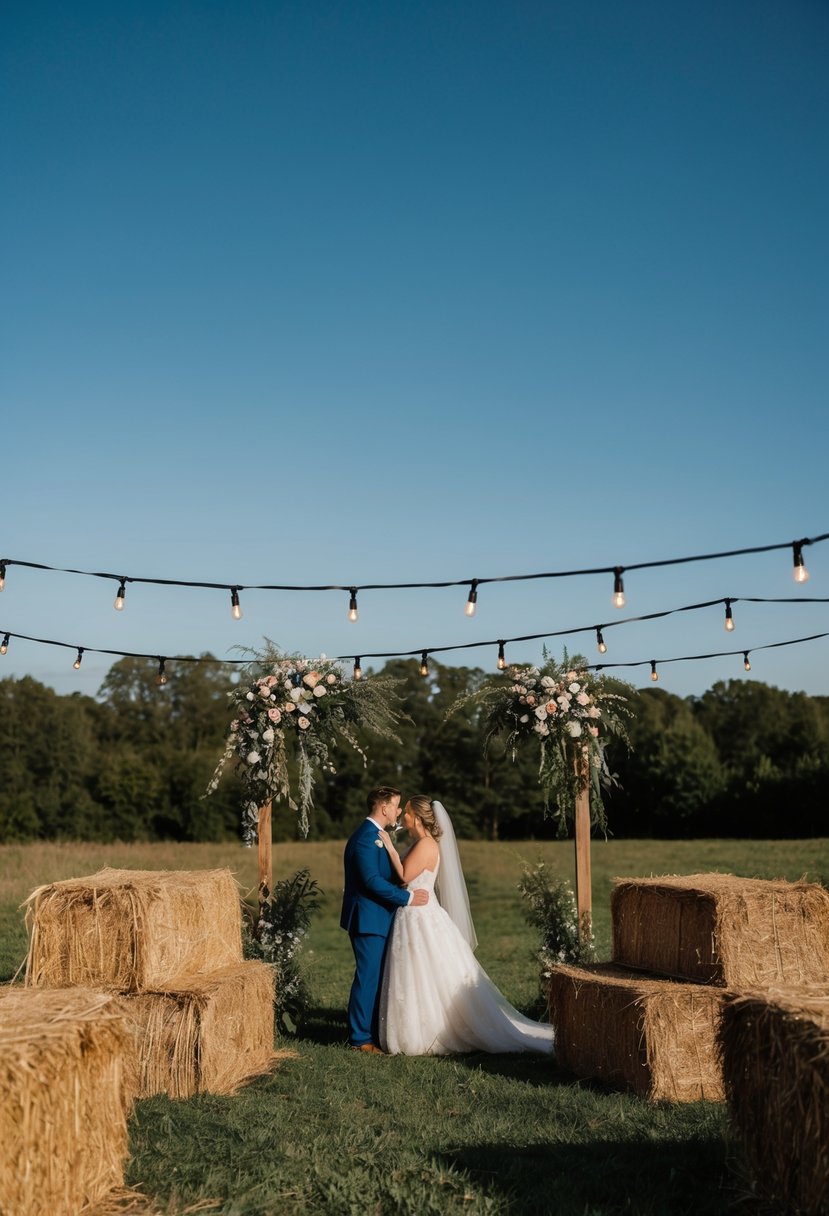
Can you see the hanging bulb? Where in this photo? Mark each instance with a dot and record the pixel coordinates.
(618, 588)
(424, 664)
(502, 662)
(161, 678)
(2, 576)
(358, 671)
(800, 573)
(473, 598)
(4, 645)
(600, 642)
(353, 614)
(119, 599)
(746, 663)
(654, 673)
(77, 662)
(235, 606)
(729, 617)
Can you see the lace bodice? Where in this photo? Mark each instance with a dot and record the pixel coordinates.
(425, 879)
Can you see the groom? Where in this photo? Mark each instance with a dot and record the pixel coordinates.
(371, 896)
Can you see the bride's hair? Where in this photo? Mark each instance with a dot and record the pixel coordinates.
(422, 809)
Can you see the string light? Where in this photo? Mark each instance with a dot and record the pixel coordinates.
(353, 614)
(618, 588)
(746, 663)
(161, 678)
(2, 576)
(4, 645)
(800, 573)
(502, 662)
(119, 599)
(729, 617)
(358, 671)
(654, 673)
(424, 664)
(235, 606)
(473, 598)
(600, 642)
(79, 659)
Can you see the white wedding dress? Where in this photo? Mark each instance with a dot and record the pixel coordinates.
(436, 998)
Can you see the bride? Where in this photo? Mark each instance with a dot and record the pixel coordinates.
(436, 998)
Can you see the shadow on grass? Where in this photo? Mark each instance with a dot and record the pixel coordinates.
(668, 1178)
(324, 1026)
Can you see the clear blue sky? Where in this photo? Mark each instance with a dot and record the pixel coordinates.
(378, 292)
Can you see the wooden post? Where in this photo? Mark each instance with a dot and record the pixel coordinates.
(265, 838)
(584, 895)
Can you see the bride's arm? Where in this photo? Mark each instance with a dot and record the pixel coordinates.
(393, 854)
(423, 856)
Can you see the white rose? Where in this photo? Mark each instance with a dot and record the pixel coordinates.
(288, 685)
(547, 682)
(541, 713)
(331, 678)
(575, 729)
(524, 718)
(248, 696)
(574, 688)
(304, 707)
(320, 690)
(297, 694)
(252, 758)
(267, 735)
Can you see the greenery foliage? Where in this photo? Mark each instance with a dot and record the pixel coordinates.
(742, 760)
(281, 925)
(551, 909)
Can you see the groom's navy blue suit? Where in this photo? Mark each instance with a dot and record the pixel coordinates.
(370, 899)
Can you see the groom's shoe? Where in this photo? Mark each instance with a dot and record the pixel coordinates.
(369, 1047)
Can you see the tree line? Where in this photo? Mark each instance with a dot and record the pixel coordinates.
(744, 759)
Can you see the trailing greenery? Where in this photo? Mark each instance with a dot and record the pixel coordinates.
(744, 759)
(281, 925)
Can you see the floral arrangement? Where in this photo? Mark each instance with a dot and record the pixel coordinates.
(278, 936)
(569, 714)
(290, 706)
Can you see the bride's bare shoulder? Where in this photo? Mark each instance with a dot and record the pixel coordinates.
(423, 855)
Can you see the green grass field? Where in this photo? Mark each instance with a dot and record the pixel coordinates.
(337, 1133)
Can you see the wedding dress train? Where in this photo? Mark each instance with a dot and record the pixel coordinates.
(436, 998)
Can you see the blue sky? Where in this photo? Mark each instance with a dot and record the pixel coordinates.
(372, 292)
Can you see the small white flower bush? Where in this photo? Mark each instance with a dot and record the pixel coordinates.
(278, 936)
(551, 909)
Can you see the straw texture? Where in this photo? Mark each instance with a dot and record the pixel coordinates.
(207, 1033)
(720, 929)
(643, 1033)
(63, 1112)
(131, 930)
(775, 1059)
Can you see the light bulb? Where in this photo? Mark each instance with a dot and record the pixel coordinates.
(654, 673)
(424, 664)
(161, 678)
(2, 576)
(618, 588)
(800, 573)
(473, 598)
(353, 614)
(4, 645)
(729, 618)
(358, 671)
(502, 662)
(746, 663)
(77, 662)
(119, 599)
(600, 642)
(235, 606)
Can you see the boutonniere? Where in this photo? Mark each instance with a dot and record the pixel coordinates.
(379, 843)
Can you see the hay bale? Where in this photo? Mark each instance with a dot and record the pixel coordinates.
(720, 929)
(130, 930)
(202, 1034)
(63, 1109)
(775, 1059)
(643, 1033)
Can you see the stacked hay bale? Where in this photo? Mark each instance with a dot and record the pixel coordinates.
(648, 1021)
(63, 1108)
(169, 943)
(775, 1058)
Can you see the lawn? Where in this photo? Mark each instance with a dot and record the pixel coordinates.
(334, 1132)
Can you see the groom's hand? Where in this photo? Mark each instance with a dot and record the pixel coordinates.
(419, 898)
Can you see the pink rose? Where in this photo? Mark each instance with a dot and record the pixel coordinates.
(303, 722)
(331, 678)
(274, 715)
(312, 678)
(289, 707)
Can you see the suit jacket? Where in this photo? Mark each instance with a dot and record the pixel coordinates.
(372, 893)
